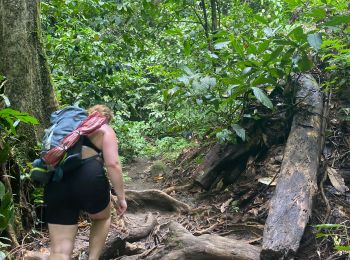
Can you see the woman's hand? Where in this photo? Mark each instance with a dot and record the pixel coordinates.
(122, 206)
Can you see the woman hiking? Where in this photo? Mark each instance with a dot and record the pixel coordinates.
(86, 189)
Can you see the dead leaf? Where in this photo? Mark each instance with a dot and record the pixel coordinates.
(253, 211)
(158, 178)
(267, 181)
(336, 180)
(83, 224)
(225, 205)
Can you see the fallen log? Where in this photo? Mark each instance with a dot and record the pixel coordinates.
(225, 161)
(291, 205)
(228, 162)
(181, 244)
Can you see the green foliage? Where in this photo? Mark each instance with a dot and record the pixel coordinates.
(169, 148)
(9, 120)
(344, 113)
(132, 139)
(6, 208)
(165, 70)
(38, 196)
(329, 21)
(134, 142)
(337, 232)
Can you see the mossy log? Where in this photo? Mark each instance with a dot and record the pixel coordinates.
(291, 205)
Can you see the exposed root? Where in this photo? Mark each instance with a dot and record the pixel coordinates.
(180, 244)
(154, 199)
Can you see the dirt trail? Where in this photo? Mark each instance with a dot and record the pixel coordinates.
(138, 176)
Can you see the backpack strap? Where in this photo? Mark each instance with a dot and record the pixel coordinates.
(87, 142)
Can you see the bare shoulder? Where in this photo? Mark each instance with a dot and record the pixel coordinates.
(107, 129)
(103, 133)
(102, 130)
(108, 133)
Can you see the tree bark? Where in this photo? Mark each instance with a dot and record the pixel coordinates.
(206, 23)
(154, 200)
(23, 63)
(225, 162)
(28, 86)
(214, 17)
(291, 205)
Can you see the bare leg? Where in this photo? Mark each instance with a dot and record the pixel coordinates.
(99, 231)
(62, 241)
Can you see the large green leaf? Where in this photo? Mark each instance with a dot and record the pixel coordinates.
(298, 34)
(6, 210)
(221, 45)
(343, 248)
(276, 53)
(24, 117)
(237, 46)
(239, 131)
(262, 97)
(304, 63)
(338, 20)
(329, 226)
(317, 13)
(315, 40)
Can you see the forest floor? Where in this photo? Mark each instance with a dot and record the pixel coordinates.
(217, 211)
(237, 211)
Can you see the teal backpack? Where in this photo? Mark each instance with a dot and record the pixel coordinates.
(63, 122)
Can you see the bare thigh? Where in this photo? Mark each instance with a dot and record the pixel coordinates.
(103, 214)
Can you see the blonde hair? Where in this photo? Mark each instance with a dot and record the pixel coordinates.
(103, 110)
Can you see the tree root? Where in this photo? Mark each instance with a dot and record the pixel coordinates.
(154, 199)
(181, 244)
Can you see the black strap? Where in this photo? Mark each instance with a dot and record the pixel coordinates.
(87, 142)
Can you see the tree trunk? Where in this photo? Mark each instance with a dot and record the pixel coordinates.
(23, 63)
(291, 205)
(214, 17)
(206, 23)
(225, 162)
(28, 87)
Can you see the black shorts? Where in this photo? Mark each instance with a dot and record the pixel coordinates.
(87, 189)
